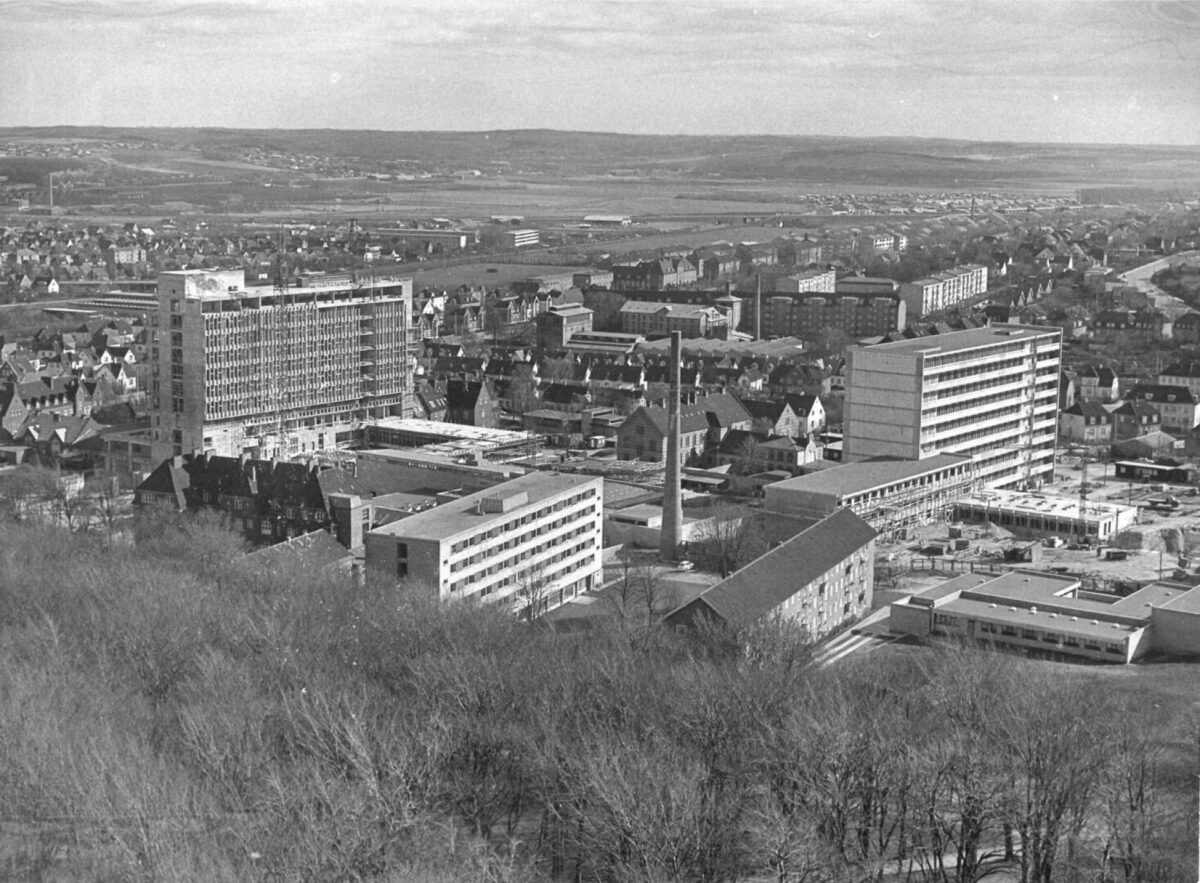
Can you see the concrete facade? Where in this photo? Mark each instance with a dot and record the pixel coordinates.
(532, 543)
(275, 371)
(991, 393)
(887, 494)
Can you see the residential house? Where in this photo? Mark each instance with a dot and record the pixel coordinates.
(749, 452)
(1098, 384)
(1137, 326)
(1088, 423)
(772, 418)
(270, 500)
(1066, 391)
(703, 423)
(809, 411)
(1182, 373)
(1186, 328)
(472, 403)
(1133, 418)
(1180, 410)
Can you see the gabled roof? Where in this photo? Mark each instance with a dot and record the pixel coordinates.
(463, 394)
(1136, 408)
(311, 552)
(738, 442)
(1103, 376)
(760, 587)
(716, 410)
(1090, 410)
(1162, 394)
(803, 404)
(765, 410)
(1183, 369)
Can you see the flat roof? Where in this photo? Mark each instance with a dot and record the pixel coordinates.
(1159, 594)
(854, 478)
(435, 455)
(1032, 617)
(461, 515)
(971, 338)
(455, 431)
(783, 346)
(1046, 601)
(1042, 504)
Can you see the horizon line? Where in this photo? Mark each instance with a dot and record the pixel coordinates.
(543, 129)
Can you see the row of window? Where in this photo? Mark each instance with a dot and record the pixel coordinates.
(1027, 634)
(512, 524)
(544, 573)
(514, 541)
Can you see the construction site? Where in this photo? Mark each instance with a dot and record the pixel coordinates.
(1153, 533)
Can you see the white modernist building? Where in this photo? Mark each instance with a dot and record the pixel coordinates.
(534, 542)
(991, 393)
(942, 290)
(275, 371)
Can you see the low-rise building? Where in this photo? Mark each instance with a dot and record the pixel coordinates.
(1050, 615)
(1041, 514)
(556, 326)
(1098, 384)
(654, 319)
(887, 494)
(1182, 373)
(269, 500)
(703, 422)
(1133, 418)
(531, 543)
(1088, 423)
(1178, 407)
(520, 238)
(821, 579)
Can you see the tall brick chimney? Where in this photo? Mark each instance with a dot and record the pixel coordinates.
(672, 520)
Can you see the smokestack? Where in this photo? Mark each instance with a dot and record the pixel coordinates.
(758, 307)
(672, 520)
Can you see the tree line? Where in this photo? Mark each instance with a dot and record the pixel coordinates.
(170, 713)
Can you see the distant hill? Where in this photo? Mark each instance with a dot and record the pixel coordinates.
(906, 162)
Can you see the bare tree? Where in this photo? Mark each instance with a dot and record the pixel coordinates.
(533, 590)
(728, 540)
(103, 494)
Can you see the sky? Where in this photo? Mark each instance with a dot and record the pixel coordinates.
(1035, 70)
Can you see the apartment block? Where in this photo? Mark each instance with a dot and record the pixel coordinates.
(812, 315)
(991, 393)
(275, 371)
(660, 319)
(942, 290)
(521, 238)
(531, 543)
(806, 280)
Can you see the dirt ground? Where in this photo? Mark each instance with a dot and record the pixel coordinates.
(1157, 557)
